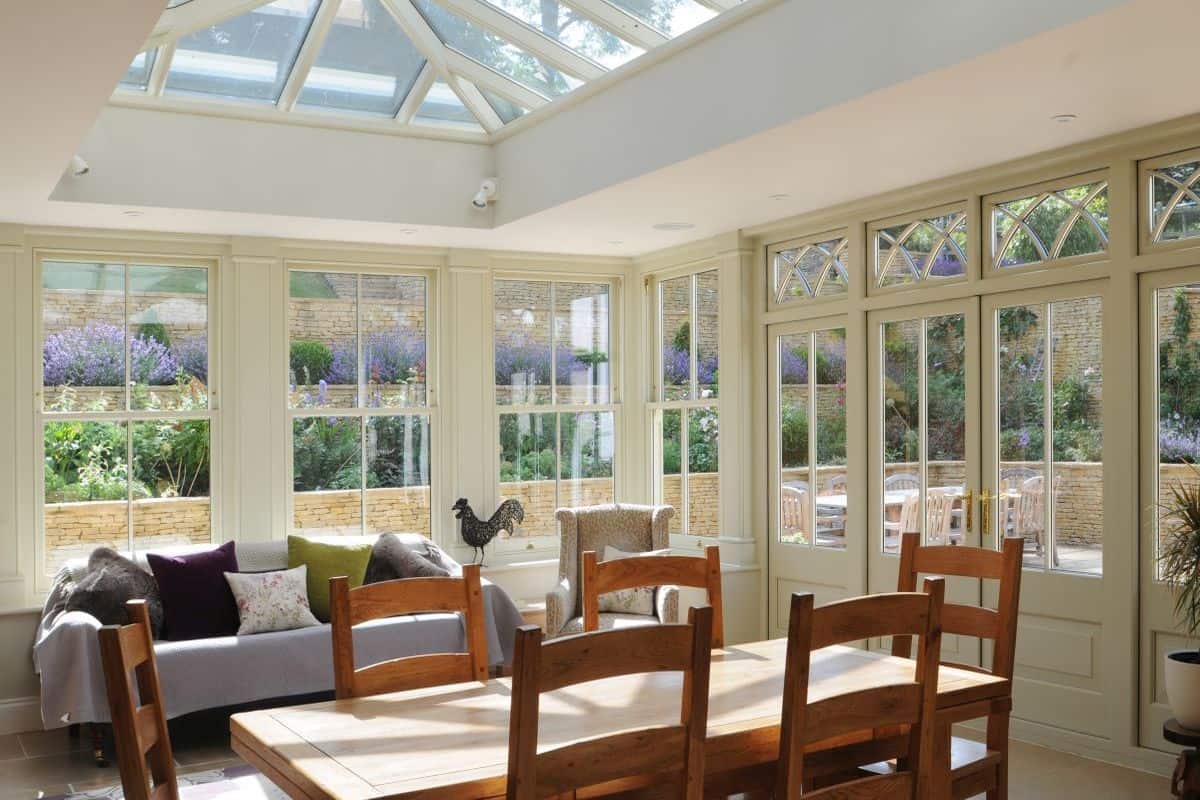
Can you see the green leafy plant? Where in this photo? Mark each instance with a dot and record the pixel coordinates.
(1179, 557)
(309, 361)
(154, 331)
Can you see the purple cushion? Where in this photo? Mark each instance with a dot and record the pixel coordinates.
(197, 602)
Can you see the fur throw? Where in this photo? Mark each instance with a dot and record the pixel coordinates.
(392, 558)
(111, 580)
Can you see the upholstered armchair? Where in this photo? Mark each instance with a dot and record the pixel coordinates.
(630, 528)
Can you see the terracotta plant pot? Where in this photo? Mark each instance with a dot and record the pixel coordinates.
(1182, 673)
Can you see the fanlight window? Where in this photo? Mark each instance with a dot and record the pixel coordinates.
(925, 249)
(814, 269)
(1061, 223)
(1175, 202)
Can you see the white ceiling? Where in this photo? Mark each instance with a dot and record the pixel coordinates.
(1114, 70)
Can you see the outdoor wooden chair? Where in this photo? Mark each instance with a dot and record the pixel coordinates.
(974, 768)
(600, 577)
(907, 707)
(793, 512)
(350, 607)
(654, 756)
(901, 482)
(939, 515)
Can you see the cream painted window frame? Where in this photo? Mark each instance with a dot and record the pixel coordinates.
(548, 545)
(360, 411)
(1145, 201)
(842, 234)
(872, 241)
(658, 405)
(987, 253)
(42, 581)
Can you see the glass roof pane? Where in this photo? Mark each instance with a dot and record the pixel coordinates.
(504, 108)
(138, 74)
(442, 107)
(672, 17)
(176, 3)
(571, 29)
(366, 63)
(495, 52)
(245, 58)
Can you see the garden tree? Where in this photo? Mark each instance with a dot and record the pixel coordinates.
(1046, 220)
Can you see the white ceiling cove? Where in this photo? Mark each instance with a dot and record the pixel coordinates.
(761, 107)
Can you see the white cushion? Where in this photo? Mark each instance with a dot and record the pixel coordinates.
(628, 601)
(271, 601)
(609, 622)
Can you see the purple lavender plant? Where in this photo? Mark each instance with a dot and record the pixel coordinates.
(94, 355)
(192, 355)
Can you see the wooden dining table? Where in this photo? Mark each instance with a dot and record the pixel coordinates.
(452, 741)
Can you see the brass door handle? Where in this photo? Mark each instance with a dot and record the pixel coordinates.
(968, 511)
(985, 508)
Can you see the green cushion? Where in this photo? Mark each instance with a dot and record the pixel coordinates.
(327, 560)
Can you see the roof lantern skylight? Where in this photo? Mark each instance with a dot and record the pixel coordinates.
(453, 68)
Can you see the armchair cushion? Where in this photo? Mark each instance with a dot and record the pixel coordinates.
(610, 622)
(639, 600)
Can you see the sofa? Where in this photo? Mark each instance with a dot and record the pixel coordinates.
(224, 671)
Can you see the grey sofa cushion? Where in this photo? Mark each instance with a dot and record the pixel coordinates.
(393, 558)
(112, 580)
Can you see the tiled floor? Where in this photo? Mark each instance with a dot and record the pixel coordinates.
(53, 763)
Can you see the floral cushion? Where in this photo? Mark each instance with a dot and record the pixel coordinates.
(271, 601)
(610, 622)
(628, 601)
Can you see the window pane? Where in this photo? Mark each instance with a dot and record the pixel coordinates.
(586, 459)
(671, 17)
(945, 428)
(921, 250)
(676, 320)
(1051, 225)
(704, 479)
(366, 62)
(708, 333)
(171, 468)
(577, 32)
(327, 475)
(398, 475)
(522, 341)
(393, 348)
(441, 106)
(795, 496)
(901, 430)
(247, 57)
(810, 270)
(83, 330)
(495, 52)
(168, 337)
(1021, 383)
(1175, 204)
(582, 352)
(137, 76)
(1078, 497)
(829, 348)
(86, 490)
(672, 456)
(504, 108)
(528, 468)
(323, 349)
(1177, 311)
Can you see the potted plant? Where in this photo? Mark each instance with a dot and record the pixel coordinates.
(1179, 561)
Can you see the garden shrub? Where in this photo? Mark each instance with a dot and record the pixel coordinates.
(155, 331)
(309, 362)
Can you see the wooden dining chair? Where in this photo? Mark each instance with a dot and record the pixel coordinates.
(600, 577)
(144, 756)
(973, 769)
(854, 716)
(653, 756)
(350, 607)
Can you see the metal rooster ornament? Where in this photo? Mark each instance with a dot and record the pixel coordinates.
(478, 533)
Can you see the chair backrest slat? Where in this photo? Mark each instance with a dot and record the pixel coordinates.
(144, 756)
(350, 607)
(907, 704)
(600, 577)
(664, 751)
(999, 624)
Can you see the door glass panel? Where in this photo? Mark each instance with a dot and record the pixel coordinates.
(829, 354)
(901, 387)
(1021, 389)
(794, 487)
(945, 447)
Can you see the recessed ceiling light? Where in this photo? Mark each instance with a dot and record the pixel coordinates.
(407, 231)
(1064, 119)
(674, 226)
(779, 196)
(132, 212)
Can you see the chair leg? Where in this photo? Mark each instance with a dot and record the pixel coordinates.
(98, 745)
(997, 740)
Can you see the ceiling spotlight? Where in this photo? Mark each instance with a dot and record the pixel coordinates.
(407, 231)
(616, 241)
(133, 212)
(79, 167)
(486, 194)
(673, 226)
(780, 196)
(1064, 119)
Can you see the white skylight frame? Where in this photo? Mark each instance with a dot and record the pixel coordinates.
(444, 64)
